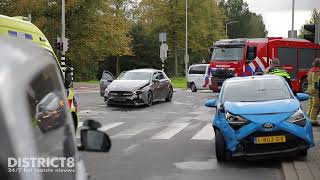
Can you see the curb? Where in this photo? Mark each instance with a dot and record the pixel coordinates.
(296, 170)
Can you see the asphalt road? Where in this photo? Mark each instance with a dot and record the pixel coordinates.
(169, 141)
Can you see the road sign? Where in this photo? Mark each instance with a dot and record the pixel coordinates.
(163, 37)
(164, 51)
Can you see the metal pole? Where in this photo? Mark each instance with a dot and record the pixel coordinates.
(292, 25)
(226, 30)
(187, 54)
(63, 36)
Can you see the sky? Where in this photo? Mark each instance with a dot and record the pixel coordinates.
(277, 14)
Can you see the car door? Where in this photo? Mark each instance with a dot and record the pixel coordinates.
(164, 86)
(156, 86)
(105, 81)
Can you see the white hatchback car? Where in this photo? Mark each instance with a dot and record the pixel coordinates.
(198, 77)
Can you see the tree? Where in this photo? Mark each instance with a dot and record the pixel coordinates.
(315, 17)
(205, 24)
(249, 25)
(96, 29)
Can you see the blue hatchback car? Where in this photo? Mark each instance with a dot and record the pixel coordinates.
(259, 117)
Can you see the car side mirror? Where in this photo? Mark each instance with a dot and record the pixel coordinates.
(302, 96)
(68, 78)
(211, 103)
(92, 139)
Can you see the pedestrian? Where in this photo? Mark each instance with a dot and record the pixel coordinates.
(276, 69)
(313, 90)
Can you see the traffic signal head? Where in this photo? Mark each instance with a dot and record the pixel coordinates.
(314, 35)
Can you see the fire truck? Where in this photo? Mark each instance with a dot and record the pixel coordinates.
(247, 57)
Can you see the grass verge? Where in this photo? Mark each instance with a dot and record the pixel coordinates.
(179, 82)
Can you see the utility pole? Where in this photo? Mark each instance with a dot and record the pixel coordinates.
(292, 24)
(186, 57)
(63, 36)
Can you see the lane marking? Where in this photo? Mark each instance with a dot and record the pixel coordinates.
(170, 131)
(126, 134)
(206, 133)
(110, 126)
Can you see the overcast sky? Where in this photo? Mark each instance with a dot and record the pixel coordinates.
(277, 14)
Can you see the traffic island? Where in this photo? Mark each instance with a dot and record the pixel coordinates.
(305, 169)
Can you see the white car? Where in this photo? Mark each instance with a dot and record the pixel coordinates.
(198, 77)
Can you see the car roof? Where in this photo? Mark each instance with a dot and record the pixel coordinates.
(149, 70)
(199, 65)
(248, 78)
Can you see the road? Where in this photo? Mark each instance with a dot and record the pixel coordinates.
(167, 141)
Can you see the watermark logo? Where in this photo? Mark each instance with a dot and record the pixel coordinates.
(41, 164)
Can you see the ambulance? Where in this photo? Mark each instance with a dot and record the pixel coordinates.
(20, 28)
(247, 57)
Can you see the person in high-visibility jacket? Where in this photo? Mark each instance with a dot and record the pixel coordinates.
(313, 90)
(276, 69)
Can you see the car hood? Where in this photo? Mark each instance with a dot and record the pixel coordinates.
(127, 85)
(265, 107)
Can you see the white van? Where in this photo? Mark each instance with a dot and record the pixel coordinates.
(196, 78)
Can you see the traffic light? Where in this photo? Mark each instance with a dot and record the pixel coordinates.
(58, 43)
(314, 35)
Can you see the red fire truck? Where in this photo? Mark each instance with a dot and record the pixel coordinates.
(246, 57)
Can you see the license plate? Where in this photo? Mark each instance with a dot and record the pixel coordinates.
(270, 139)
(120, 99)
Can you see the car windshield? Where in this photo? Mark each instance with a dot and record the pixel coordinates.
(227, 54)
(255, 90)
(131, 75)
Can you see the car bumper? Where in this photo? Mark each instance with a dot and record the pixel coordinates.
(133, 100)
(293, 146)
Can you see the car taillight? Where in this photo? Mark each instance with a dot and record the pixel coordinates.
(70, 103)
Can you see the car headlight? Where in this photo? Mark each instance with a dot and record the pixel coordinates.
(140, 91)
(106, 91)
(235, 121)
(298, 118)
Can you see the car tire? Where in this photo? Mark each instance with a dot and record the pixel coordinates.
(220, 146)
(170, 94)
(304, 85)
(150, 99)
(193, 87)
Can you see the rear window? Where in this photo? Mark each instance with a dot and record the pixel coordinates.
(255, 90)
(198, 70)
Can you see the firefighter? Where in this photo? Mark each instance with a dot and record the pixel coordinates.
(276, 69)
(313, 90)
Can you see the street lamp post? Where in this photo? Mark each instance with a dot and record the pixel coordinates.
(292, 25)
(186, 58)
(232, 22)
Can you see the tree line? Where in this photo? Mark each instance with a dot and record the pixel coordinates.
(118, 35)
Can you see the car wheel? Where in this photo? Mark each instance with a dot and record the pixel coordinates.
(304, 85)
(220, 146)
(170, 94)
(193, 87)
(150, 99)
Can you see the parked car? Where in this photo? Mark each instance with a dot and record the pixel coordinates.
(259, 117)
(35, 120)
(198, 77)
(139, 87)
(105, 81)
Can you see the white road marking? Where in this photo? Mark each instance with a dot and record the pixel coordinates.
(110, 126)
(126, 134)
(170, 131)
(206, 133)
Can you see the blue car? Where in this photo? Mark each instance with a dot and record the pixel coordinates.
(260, 117)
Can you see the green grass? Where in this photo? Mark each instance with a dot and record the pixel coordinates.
(90, 82)
(179, 82)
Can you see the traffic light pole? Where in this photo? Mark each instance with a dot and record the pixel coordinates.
(63, 37)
